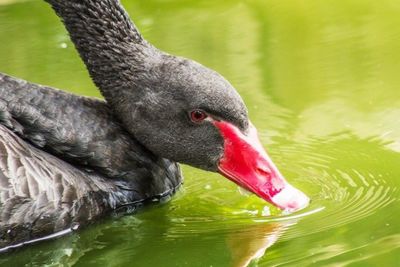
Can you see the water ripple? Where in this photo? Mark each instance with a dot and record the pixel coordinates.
(344, 188)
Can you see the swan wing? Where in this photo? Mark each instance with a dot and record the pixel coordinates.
(41, 194)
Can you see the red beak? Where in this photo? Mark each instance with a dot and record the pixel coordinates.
(246, 163)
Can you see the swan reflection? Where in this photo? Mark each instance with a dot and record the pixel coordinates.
(250, 243)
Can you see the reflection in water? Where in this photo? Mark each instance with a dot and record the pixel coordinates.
(245, 243)
(251, 242)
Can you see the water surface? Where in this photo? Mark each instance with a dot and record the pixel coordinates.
(321, 81)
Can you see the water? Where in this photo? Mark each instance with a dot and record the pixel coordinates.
(321, 81)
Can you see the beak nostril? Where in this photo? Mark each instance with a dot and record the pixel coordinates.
(264, 170)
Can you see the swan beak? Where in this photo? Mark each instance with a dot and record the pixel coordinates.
(246, 163)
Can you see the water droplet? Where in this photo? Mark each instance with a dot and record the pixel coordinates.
(266, 211)
(74, 226)
(244, 192)
(286, 211)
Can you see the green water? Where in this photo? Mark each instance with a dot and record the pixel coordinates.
(321, 80)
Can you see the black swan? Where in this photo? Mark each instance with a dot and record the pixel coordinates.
(67, 160)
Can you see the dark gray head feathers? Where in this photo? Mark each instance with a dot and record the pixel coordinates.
(150, 91)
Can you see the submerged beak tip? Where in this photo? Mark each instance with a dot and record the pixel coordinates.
(290, 199)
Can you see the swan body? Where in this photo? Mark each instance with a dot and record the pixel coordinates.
(99, 168)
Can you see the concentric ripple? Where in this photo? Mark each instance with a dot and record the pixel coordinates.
(344, 187)
(351, 186)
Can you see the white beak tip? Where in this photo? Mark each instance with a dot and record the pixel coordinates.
(290, 199)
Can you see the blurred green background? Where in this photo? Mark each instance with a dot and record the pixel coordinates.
(321, 80)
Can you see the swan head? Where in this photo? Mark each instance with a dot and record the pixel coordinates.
(188, 113)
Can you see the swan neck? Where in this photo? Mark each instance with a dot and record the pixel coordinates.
(107, 40)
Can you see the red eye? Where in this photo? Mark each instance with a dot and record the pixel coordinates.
(197, 115)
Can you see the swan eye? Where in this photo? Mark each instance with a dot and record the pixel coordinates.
(197, 116)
